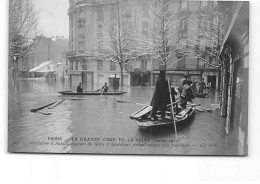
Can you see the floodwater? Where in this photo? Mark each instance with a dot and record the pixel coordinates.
(100, 124)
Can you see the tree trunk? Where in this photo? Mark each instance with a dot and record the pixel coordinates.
(122, 76)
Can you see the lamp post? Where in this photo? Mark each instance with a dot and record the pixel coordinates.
(141, 79)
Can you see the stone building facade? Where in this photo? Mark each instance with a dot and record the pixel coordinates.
(88, 35)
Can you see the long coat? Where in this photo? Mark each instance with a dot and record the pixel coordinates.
(161, 94)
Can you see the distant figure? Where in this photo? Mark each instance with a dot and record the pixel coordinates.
(194, 86)
(202, 85)
(104, 88)
(208, 87)
(160, 98)
(80, 89)
(186, 94)
(115, 86)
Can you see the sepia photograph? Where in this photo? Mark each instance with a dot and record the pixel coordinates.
(130, 77)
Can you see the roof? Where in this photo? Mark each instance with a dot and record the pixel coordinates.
(41, 66)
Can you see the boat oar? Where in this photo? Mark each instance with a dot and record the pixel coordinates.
(172, 109)
(123, 101)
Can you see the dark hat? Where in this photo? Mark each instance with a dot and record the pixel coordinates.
(162, 72)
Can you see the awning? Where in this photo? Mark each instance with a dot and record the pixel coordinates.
(41, 66)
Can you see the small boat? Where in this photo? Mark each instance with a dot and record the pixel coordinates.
(91, 93)
(144, 122)
(200, 95)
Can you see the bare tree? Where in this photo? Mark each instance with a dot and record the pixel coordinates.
(206, 27)
(161, 31)
(22, 27)
(118, 37)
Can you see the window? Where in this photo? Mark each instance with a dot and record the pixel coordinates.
(202, 43)
(81, 19)
(184, 5)
(81, 32)
(183, 25)
(215, 21)
(81, 15)
(144, 64)
(71, 65)
(85, 65)
(81, 46)
(100, 14)
(76, 65)
(113, 13)
(181, 63)
(146, 9)
(99, 65)
(71, 21)
(127, 10)
(203, 3)
(145, 27)
(182, 38)
(112, 66)
(202, 24)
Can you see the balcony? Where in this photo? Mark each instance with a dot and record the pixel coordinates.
(71, 54)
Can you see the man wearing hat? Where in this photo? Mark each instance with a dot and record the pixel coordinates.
(184, 78)
(160, 100)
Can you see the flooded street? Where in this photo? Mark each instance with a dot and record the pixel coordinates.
(94, 124)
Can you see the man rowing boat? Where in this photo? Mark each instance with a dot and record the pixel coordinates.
(104, 88)
(80, 89)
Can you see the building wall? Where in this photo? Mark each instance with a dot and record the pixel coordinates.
(87, 34)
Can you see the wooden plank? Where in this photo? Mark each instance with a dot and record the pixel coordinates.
(142, 112)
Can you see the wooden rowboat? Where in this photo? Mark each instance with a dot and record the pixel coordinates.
(90, 93)
(144, 122)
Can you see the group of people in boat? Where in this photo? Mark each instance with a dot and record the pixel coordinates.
(103, 89)
(164, 95)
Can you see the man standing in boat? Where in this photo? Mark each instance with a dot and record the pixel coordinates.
(202, 85)
(186, 94)
(115, 83)
(160, 98)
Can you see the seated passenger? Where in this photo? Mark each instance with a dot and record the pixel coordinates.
(80, 89)
(104, 89)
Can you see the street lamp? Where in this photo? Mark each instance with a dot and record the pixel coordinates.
(141, 79)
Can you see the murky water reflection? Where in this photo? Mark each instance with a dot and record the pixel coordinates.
(101, 117)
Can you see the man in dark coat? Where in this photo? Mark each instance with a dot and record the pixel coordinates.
(161, 96)
(202, 85)
(115, 83)
(186, 94)
(80, 89)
